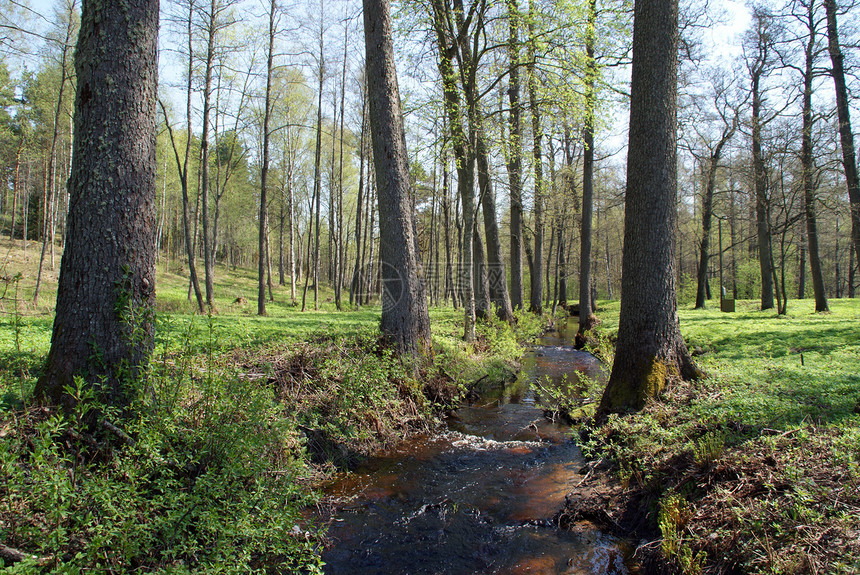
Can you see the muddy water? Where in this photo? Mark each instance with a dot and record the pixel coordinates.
(479, 498)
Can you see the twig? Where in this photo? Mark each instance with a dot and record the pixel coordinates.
(118, 432)
(14, 556)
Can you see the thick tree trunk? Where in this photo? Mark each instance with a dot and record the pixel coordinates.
(405, 320)
(103, 328)
(650, 349)
(846, 137)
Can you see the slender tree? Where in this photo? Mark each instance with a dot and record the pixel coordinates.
(810, 199)
(103, 328)
(758, 64)
(262, 242)
(536, 262)
(586, 314)
(515, 152)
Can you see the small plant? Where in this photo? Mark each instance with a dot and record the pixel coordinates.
(709, 448)
(674, 514)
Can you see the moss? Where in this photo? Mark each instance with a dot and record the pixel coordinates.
(645, 381)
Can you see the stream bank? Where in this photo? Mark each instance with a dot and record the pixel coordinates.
(481, 496)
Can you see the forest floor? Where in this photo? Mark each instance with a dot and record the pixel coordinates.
(754, 469)
(237, 420)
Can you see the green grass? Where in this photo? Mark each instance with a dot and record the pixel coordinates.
(236, 420)
(761, 448)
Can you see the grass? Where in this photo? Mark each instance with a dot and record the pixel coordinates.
(764, 453)
(238, 417)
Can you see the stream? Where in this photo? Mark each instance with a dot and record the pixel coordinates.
(480, 497)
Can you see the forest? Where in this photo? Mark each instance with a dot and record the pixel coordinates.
(253, 250)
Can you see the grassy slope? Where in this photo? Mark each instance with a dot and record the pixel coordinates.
(757, 467)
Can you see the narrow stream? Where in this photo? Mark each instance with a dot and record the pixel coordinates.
(479, 498)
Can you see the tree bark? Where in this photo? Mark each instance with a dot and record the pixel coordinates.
(208, 258)
(536, 267)
(354, 287)
(707, 213)
(846, 137)
(650, 349)
(103, 328)
(586, 313)
(762, 205)
(807, 168)
(405, 319)
(262, 239)
(464, 162)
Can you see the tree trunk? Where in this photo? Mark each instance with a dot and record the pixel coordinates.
(15, 188)
(262, 239)
(702, 289)
(50, 169)
(208, 259)
(465, 166)
(354, 287)
(495, 268)
(515, 153)
(535, 303)
(481, 284)
(341, 252)
(807, 168)
(405, 319)
(846, 137)
(317, 191)
(586, 313)
(762, 205)
(103, 328)
(650, 349)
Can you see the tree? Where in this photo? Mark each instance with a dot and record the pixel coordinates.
(650, 349)
(51, 193)
(405, 319)
(759, 63)
(535, 261)
(464, 161)
(103, 328)
(182, 163)
(810, 53)
(846, 137)
(586, 315)
(264, 169)
(725, 111)
(514, 159)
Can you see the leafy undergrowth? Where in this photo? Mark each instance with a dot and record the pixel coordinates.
(755, 469)
(213, 466)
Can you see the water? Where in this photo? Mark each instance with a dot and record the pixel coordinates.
(479, 498)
